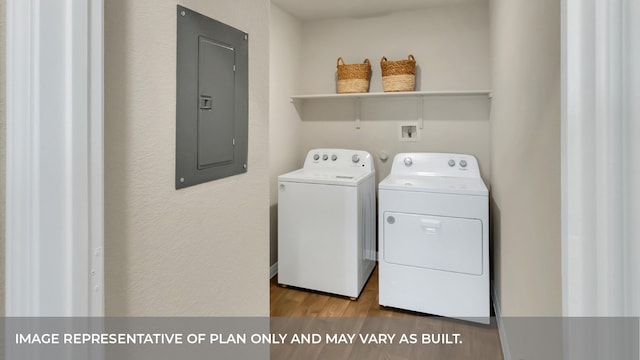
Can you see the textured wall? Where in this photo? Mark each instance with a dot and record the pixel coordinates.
(202, 250)
(525, 138)
(284, 123)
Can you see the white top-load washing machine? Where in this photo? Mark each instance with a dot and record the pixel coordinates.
(327, 222)
(434, 236)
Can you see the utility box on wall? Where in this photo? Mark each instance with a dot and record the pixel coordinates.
(212, 107)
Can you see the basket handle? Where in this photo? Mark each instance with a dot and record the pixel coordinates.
(384, 59)
(340, 60)
(411, 57)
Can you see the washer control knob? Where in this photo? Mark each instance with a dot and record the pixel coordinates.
(463, 163)
(452, 163)
(316, 157)
(325, 157)
(355, 158)
(408, 161)
(391, 219)
(334, 157)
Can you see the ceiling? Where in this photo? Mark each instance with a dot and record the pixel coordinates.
(322, 9)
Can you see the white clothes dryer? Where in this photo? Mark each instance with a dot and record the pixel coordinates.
(434, 236)
(327, 222)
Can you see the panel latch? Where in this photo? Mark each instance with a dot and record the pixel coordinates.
(205, 102)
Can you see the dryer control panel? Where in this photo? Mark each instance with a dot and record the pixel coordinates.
(336, 159)
(435, 164)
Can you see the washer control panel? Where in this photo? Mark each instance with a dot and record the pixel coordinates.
(435, 164)
(338, 159)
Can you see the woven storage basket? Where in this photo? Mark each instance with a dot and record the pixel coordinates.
(398, 75)
(353, 78)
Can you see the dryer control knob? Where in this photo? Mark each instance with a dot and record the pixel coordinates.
(463, 163)
(325, 157)
(408, 161)
(452, 163)
(334, 157)
(316, 156)
(391, 219)
(355, 158)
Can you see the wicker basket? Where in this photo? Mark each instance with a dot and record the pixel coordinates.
(353, 78)
(398, 75)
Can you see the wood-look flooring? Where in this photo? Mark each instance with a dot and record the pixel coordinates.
(295, 302)
(289, 305)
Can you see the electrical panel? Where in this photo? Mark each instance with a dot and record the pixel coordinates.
(211, 99)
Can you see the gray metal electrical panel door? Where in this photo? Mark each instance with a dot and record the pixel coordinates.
(211, 99)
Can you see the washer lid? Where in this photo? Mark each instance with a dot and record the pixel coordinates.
(435, 184)
(344, 177)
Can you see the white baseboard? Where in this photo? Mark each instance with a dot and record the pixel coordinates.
(273, 270)
(506, 353)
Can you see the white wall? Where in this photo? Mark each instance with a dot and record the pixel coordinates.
(284, 124)
(3, 123)
(451, 46)
(54, 158)
(202, 250)
(632, 149)
(525, 152)
(601, 158)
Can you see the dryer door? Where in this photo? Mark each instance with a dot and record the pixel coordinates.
(433, 242)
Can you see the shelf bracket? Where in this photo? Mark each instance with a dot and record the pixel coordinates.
(420, 105)
(297, 104)
(358, 112)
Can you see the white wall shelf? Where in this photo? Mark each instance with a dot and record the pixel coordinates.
(297, 100)
(406, 94)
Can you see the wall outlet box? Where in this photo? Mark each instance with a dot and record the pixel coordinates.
(409, 132)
